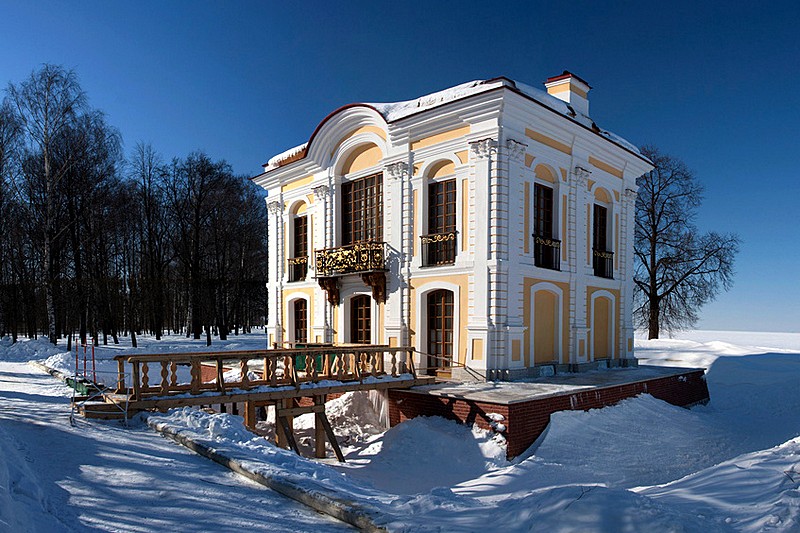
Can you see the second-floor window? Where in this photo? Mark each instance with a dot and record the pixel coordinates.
(298, 264)
(602, 257)
(546, 248)
(439, 246)
(362, 210)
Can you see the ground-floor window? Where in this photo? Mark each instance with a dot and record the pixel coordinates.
(300, 321)
(440, 328)
(360, 319)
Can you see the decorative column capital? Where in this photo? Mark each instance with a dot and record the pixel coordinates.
(516, 149)
(275, 207)
(629, 196)
(581, 176)
(484, 148)
(321, 192)
(397, 170)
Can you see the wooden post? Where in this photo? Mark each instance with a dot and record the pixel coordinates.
(135, 378)
(120, 376)
(280, 438)
(319, 430)
(250, 417)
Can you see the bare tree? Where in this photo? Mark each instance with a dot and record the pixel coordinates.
(9, 151)
(678, 269)
(46, 105)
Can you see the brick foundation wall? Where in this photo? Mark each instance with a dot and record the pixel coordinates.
(525, 421)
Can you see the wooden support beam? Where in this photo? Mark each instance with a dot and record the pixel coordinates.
(286, 424)
(322, 418)
(297, 411)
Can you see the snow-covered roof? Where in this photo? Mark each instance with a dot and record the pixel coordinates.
(393, 111)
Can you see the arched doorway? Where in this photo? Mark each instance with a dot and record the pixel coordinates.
(361, 319)
(602, 323)
(440, 329)
(546, 319)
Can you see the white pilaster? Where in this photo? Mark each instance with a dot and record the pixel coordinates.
(482, 164)
(400, 232)
(578, 264)
(277, 263)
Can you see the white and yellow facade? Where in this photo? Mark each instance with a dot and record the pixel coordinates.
(493, 146)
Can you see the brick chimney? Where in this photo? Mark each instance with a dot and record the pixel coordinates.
(571, 89)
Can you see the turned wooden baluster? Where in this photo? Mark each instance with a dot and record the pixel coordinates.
(145, 377)
(173, 367)
(245, 378)
(394, 364)
(164, 377)
(196, 376)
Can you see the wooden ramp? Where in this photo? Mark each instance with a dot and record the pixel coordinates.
(291, 381)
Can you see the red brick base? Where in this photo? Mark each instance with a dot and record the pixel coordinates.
(526, 420)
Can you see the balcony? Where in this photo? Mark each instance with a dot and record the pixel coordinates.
(298, 268)
(546, 252)
(353, 259)
(439, 249)
(603, 262)
(367, 259)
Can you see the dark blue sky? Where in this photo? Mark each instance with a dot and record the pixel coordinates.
(715, 84)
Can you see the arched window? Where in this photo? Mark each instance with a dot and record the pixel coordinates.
(361, 319)
(439, 246)
(440, 329)
(602, 254)
(546, 244)
(362, 210)
(298, 263)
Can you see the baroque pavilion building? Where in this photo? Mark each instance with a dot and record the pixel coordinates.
(490, 226)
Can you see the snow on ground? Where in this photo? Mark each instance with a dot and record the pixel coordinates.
(102, 476)
(642, 465)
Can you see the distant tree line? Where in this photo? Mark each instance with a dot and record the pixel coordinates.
(101, 246)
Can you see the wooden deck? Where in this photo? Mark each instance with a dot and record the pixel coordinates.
(280, 379)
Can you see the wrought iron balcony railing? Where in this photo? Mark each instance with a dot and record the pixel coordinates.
(603, 262)
(439, 249)
(352, 259)
(546, 252)
(298, 268)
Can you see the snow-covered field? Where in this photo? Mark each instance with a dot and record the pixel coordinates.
(642, 465)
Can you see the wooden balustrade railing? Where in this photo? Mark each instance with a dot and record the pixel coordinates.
(257, 368)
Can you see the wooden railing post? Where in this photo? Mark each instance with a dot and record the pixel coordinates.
(135, 379)
(120, 376)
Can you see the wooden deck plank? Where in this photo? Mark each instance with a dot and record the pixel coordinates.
(228, 397)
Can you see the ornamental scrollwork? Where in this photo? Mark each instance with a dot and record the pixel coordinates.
(275, 207)
(515, 149)
(484, 148)
(438, 237)
(581, 176)
(321, 192)
(397, 170)
(361, 257)
(552, 243)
